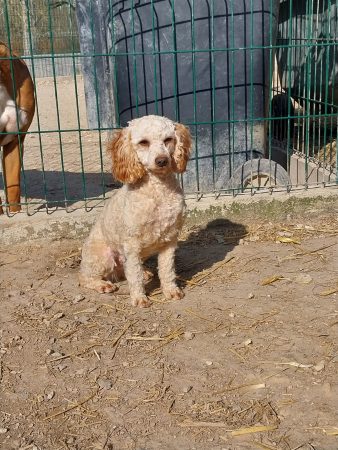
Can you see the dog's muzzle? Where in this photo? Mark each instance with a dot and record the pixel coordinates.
(162, 161)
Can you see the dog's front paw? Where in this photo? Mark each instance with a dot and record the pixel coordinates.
(103, 287)
(142, 301)
(174, 293)
(99, 285)
(106, 287)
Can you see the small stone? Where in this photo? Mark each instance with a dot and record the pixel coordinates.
(284, 233)
(188, 335)
(52, 340)
(91, 310)
(17, 338)
(251, 295)
(78, 298)
(187, 389)
(231, 315)
(320, 366)
(125, 364)
(83, 319)
(49, 351)
(40, 398)
(247, 342)
(56, 354)
(62, 366)
(58, 316)
(3, 430)
(303, 278)
(50, 395)
(209, 363)
(241, 242)
(104, 383)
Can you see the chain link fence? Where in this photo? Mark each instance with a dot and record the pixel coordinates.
(256, 82)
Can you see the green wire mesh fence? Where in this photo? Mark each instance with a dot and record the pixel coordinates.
(255, 80)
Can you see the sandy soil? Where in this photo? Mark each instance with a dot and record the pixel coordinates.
(248, 359)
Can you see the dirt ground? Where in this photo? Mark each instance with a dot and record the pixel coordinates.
(248, 359)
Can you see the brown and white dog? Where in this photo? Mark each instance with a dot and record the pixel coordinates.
(145, 216)
(17, 106)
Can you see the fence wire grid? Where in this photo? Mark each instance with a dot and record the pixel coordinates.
(256, 81)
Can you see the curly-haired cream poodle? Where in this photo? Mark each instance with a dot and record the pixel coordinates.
(145, 216)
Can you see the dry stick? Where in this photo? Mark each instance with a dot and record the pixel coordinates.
(189, 282)
(236, 353)
(189, 423)
(80, 352)
(212, 270)
(140, 338)
(190, 311)
(84, 350)
(311, 252)
(117, 339)
(43, 280)
(253, 429)
(241, 386)
(257, 384)
(238, 432)
(257, 322)
(68, 256)
(75, 330)
(266, 446)
(52, 416)
(328, 292)
(299, 446)
(174, 335)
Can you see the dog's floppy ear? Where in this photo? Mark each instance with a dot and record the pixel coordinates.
(183, 147)
(126, 166)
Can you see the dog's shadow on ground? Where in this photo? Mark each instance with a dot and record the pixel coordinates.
(203, 247)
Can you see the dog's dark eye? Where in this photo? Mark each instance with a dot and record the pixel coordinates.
(169, 141)
(144, 143)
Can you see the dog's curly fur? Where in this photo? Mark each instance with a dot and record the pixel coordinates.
(144, 217)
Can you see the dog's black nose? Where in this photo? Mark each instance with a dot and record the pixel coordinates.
(161, 161)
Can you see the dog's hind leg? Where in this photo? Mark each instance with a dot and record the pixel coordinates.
(99, 263)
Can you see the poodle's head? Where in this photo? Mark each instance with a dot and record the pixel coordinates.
(149, 144)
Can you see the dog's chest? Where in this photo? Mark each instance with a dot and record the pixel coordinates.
(12, 119)
(162, 220)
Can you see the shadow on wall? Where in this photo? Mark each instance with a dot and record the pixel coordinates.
(58, 188)
(202, 249)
